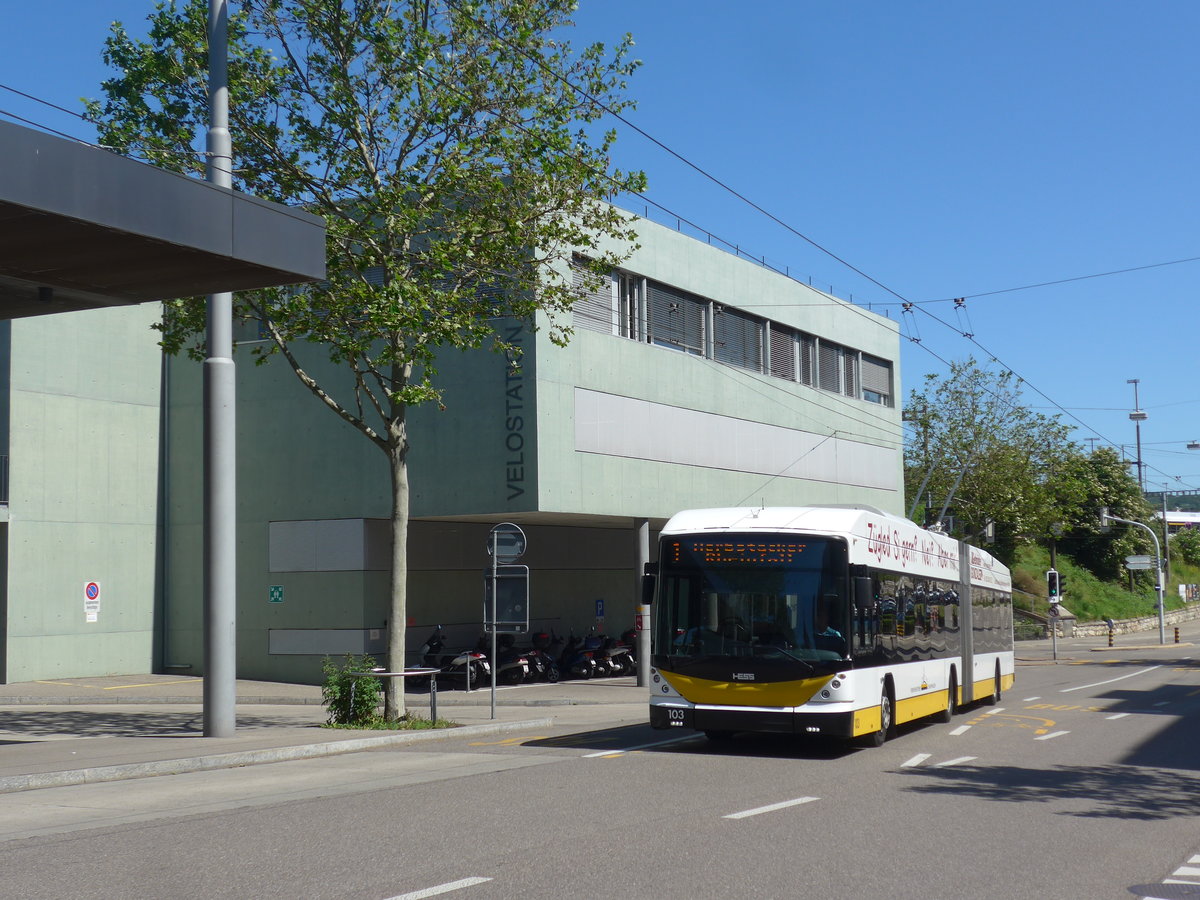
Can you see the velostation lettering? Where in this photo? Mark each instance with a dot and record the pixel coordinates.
(514, 415)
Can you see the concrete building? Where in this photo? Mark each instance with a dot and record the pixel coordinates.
(88, 241)
(694, 378)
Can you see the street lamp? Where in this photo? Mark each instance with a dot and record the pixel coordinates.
(1105, 518)
(1138, 417)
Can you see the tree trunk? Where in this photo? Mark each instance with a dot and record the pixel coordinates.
(393, 698)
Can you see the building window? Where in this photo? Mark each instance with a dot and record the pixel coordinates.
(676, 319)
(737, 338)
(876, 380)
(594, 310)
(630, 308)
(782, 358)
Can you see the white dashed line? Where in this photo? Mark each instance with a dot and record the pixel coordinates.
(766, 809)
(954, 762)
(1084, 687)
(1030, 699)
(1116, 716)
(915, 761)
(440, 889)
(622, 751)
(961, 729)
(992, 712)
(1053, 734)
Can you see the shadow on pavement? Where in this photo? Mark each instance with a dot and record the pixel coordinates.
(82, 723)
(1100, 792)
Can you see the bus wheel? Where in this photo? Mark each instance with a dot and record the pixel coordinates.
(995, 698)
(718, 736)
(877, 739)
(951, 702)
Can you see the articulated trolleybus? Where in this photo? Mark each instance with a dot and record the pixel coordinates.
(822, 621)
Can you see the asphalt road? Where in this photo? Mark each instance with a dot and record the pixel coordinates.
(1082, 782)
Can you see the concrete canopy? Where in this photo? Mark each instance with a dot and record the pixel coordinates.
(82, 228)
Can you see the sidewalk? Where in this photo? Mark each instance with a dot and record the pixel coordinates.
(85, 730)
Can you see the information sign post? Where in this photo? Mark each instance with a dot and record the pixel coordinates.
(505, 589)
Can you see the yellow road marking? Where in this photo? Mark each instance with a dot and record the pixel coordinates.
(62, 683)
(121, 687)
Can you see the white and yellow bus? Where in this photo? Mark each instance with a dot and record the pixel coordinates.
(841, 621)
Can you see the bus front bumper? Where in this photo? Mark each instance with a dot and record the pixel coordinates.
(725, 718)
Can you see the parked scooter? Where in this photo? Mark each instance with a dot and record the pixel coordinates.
(512, 665)
(467, 666)
(575, 661)
(543, 665)
(431, 657)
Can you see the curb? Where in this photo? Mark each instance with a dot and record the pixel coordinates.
(98, 774)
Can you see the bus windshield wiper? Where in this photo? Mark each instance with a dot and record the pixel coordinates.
(764, 649)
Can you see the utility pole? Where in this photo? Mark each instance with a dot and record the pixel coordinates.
(1138, 417)
(220, 458)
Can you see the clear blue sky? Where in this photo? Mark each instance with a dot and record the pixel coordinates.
(945, 149)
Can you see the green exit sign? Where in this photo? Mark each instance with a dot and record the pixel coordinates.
(275, 594)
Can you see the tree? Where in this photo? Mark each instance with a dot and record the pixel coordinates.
(450, 145)
(1104, 480)
(973, 443)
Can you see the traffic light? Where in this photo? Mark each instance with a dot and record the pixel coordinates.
(1062, 585)
(1053, 585)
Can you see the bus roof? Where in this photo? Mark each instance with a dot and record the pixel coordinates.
(874, 538)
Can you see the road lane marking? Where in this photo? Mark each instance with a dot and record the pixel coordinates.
(1084, 687)
(624, 750)
(961, 729)
(1053, 734)
(916, 760)
(1186, 870)
(992, 712)
(954, 762)
(766, 809)
(121, 687)
(1116, 716)
(440, 889)
(1030, 699)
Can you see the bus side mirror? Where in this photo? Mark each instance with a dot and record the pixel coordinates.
(864, 598)
(649, 580)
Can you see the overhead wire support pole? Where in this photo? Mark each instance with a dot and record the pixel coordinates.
(220, 423)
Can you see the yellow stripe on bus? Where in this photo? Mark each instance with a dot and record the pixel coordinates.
(920, 706)
(745, 693)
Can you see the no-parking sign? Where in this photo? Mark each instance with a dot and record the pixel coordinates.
(91, 601)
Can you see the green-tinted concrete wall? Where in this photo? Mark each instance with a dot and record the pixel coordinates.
(84, 493)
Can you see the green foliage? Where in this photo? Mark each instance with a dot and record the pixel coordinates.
(1185, 546)
(1094, 599)
(452, 148)
(973, 423)
(1103, 478)
(350, 701)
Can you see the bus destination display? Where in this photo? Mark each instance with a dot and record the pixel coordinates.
(709, 551)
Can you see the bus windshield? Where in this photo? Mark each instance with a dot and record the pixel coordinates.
(783, 597)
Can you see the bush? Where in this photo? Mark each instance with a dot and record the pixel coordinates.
(1185, 545)
(345, 706)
